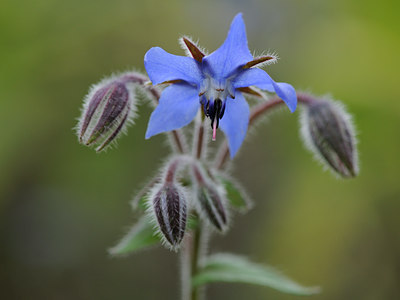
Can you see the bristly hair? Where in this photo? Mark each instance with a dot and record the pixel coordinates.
(132, 113)
(219, 189)
(271, 61)
(309, 144)
(196, 43)
(155, 189)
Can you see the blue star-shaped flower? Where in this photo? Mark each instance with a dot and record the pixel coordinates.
(213, 82)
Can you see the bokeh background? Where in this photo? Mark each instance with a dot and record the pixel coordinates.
(62, 205)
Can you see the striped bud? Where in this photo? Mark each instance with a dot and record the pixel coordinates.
(328, 132)
(107, 110)
(169, 208)
(211, 199)
(213, 205)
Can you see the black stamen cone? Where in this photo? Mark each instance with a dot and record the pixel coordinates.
(215, 111)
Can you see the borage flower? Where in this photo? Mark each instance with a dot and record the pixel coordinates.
(214, 82)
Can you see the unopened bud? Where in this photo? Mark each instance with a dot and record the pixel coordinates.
(328, 132)
(213, 206)
(169, 208)
(107, 110)
(211, 199)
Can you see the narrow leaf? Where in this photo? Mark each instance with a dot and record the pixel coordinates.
(140, 199)
(232, 268)
(192, 222)
(142, 203)
(141, 236)
(237, 197)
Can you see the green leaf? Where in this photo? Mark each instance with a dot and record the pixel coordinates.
(140, 199)
(141, 236)
(236, 195)
(232, 268)
(192, 222)
(142, 203)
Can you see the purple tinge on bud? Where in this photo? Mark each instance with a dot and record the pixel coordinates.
(329, 133)
(169, 207)
(211, 200)
(106, 112)
(213, 206)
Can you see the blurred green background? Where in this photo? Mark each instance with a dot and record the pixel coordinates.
(62, 205)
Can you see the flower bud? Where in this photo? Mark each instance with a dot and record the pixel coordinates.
(169, 208)
(107, 110)
(211, 200)
(328, 132)
(213, 206)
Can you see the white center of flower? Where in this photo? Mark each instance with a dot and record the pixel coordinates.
(213, 89)
(213, 95)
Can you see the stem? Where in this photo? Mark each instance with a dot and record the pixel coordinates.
(179, 141)
(191, 254)
(194, 247)
(185, 268)
(256, 112)
(198, 138)
(195, 259)
(222, 156)
(171, 171)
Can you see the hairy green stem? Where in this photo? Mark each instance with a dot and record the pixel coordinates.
(194, 247)
(199, 144)
(195, 259)
(191, 255)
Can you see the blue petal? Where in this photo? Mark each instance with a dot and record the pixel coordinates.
(254, 76)
(262, 80)
(235, 121)
(178, 106)
(233, 53)
(287, 93)
(162, 66)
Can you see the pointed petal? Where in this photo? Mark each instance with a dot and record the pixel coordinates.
(287, 93)
(235, 121)
(162, 66)
(254, 76)
(262, 80)
(178, 106)
(233, 53)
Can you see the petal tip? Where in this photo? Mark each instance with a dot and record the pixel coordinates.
(238, 15)
(293, 106)
(232, 153)
(148, 135)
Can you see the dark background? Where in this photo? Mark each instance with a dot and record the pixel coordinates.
(62, 205)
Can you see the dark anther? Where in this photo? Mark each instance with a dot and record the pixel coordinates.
(221, 114)
(207, 107)
(215, 111)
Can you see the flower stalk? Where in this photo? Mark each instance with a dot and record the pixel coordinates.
(196, 241)
(190, 187)
(198, 138)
